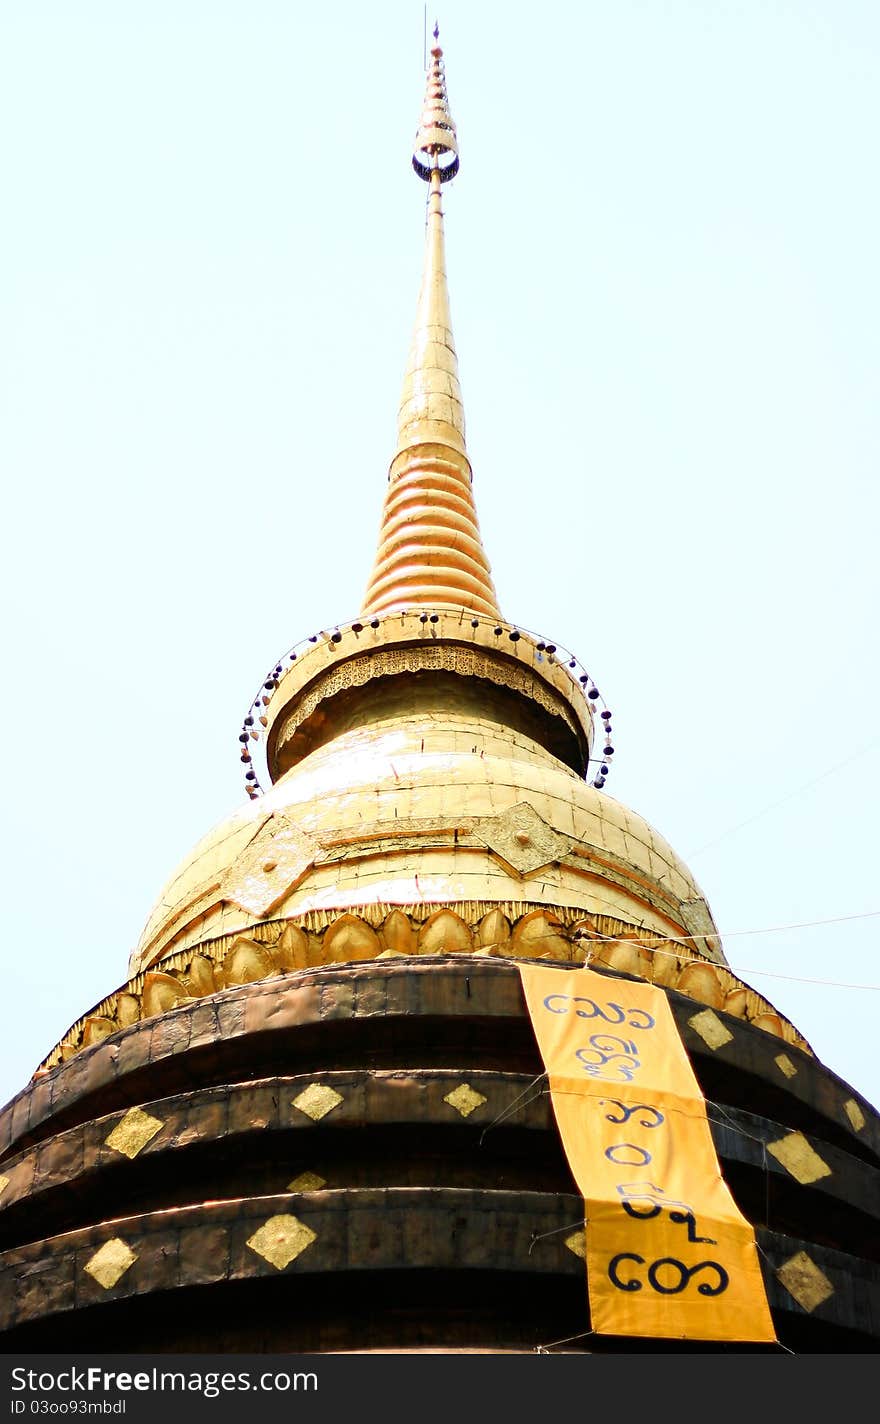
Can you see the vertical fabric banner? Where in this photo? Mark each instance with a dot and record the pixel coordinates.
(669, 1254)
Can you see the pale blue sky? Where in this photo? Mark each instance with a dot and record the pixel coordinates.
(663, 253)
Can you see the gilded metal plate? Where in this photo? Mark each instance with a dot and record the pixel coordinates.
(710, 1028)
(464, 1099)
(855, 1114)
(523, 839)
(317, 1100)
(577, 1243)
(271, 866)
(799, 1158)
(132, 1133)
(281, 1239)
(110, 1263)
(804, 1281)
(307, 1182)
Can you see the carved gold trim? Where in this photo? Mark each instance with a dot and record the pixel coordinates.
(486, 928)
(419, 657)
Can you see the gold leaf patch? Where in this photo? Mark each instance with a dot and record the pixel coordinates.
(306, 1182)
(317, 1100)
(464, 1099)
(710, 1028)
(281, 1239)
(132, 1133)
(799, 1158)
(804, 1281)
(110, 1263)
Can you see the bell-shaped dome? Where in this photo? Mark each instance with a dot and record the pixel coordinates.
(433, 800)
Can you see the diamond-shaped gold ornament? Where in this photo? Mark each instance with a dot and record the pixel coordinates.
(785, 1065)
(132, 1133)
(522, 838)
(307, 1182)
(464, 1099)
(577, 1242)
(110, 1263)
(710, 1028)
(798, 1158)
(855, 1114)
(281, 1239)
(317, 1100)
(269, 867)
(803, 1280)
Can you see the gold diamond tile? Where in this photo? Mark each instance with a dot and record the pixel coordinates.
(269, 867)
(855, 1114)
(281, 1239)
(132, 1133)
(785, 1065)
(799, 1158)
(317, 1100)
(577, 1242)
(307, 1182)
(522, 838)
(4, 1183)
(464, 1099)
(710, 1028)
(803, 1280)
(110, 1263)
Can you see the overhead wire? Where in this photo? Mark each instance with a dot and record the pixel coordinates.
(789, 796)
(686, 940)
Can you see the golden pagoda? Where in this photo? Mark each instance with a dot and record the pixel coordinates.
(313, 1116)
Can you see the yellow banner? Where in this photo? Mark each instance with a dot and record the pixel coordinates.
(669, 1254)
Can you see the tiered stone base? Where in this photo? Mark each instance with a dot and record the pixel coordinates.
(363, 1156)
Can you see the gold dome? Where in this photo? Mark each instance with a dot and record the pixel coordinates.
(432, 801)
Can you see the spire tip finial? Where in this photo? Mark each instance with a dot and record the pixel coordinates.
(436, 145)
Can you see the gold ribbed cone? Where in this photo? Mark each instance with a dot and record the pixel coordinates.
(430, 550)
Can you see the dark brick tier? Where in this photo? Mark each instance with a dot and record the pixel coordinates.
(432, 1229)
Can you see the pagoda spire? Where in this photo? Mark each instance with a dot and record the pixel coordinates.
(430, 551)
